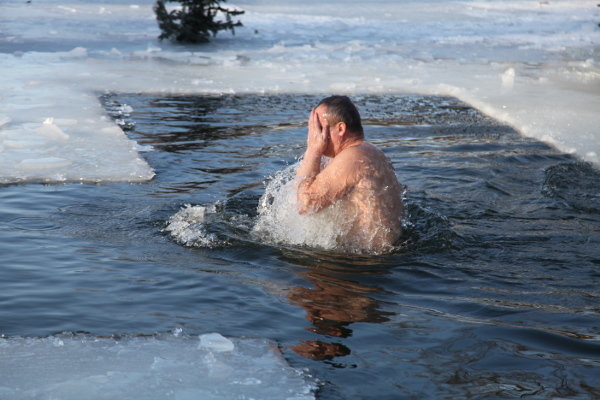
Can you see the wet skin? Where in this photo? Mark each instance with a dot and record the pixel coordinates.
(358, 177)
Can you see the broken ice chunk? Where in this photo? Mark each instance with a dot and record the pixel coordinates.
(215, 342)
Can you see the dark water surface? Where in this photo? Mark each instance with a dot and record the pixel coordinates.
(493, 295)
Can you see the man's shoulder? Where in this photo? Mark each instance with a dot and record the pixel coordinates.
(349, 157)
(354, 151)
(364, 153)
(354, 162)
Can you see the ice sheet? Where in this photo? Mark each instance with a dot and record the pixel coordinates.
(169, 366)
(531, 64)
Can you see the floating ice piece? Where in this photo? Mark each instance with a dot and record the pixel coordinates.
(168, 366)
(215, 342)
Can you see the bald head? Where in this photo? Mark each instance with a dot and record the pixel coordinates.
(341, 109)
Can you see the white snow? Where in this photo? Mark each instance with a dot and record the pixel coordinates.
(531, 64)
(169, 366)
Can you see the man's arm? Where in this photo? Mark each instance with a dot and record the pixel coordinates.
(310, 193)
(318, 189)
(323, 189)
(310, 166)
(316, 143)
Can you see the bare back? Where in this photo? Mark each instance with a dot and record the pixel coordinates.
(373, 200)
(361, 181)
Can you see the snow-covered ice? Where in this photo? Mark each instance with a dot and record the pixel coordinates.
(531, 64)
(167, 366)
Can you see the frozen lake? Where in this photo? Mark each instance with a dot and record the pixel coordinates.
(487, 109)
(530, 64)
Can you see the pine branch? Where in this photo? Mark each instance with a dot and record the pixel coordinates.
(195, 21)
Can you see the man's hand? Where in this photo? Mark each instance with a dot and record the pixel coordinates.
(318, 135)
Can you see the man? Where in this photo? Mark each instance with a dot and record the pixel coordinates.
(359, 178)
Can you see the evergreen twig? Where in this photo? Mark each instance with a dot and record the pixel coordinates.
(194, 21)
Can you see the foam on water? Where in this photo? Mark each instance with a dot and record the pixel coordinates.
(168, 366)
(191, 226)
(531, 64)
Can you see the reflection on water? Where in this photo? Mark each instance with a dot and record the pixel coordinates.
(332, 304)
(492, 294)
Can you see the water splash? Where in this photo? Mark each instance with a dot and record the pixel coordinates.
(279, 222)
(190, 226)
(273, 220)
